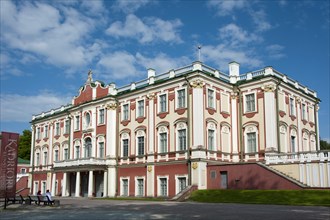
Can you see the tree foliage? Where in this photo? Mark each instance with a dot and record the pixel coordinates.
(324, 145)
(24, 147)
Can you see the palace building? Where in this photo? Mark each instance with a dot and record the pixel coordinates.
(192, 126)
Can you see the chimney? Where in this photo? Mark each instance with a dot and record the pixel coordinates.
(151, 75)
(233, 68)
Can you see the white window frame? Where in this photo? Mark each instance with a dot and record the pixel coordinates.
(162, 130)
(177, 182)
(56, 149)
(293, 133)
(123, 114)
(101, 117)
(122, 186)
(35, 187)
(124, 136)
(292, 106)
(159, 110)
(246, 110)
(212, 126)
(66, 126)
(88, 152)
(304, 114)
(225, 129)
(305, 142)
(211, 104)
(66, 155)
(140, 133)
(43, 187)
(46, 130)
(77, 122)
(177, 100)
(23, 170)
(138, 113)
(45, 156)
(101, 154)
(312, 139)
(77, 153)
(159, 185)
(251, 129)
(57, 129)
(38, 133)
(137, 178)
(311, 113)
(224, 100)
(87, 120)
(37, 160)
(181, 126)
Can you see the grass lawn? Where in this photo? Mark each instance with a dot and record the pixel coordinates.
(276, 197)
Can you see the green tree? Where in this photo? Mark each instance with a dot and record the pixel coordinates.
(24, 147)
(324, 145)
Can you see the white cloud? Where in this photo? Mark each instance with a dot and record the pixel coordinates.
(227, 7)
(275, 51)
(129, 6)
(259, 18)
(58, 35)
(221, 55)
(94, 7)
(20, 108)
(146, 31)
(236, 35)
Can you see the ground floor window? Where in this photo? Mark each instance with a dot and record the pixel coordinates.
(163, 186)
(140, 187)
(125, 187)
(182, 183)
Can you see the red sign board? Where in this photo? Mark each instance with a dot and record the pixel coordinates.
(8, 163)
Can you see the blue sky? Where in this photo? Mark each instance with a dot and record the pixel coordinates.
(47, 47)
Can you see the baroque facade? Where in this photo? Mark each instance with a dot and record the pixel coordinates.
(190, 126)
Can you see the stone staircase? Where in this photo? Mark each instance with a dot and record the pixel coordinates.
(184, 194)
(284, 175)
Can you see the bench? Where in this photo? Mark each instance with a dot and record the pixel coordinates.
(42, 200)
(17, 198)
(34, 199)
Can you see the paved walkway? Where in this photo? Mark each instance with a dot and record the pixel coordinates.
(82, 208)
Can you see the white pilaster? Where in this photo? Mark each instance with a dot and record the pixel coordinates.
(77, 192)
(301, 173)
(198, 114)
(322, 180)
(71, 147)
(234, 124)
(328, 174)
(105, 183)
(94, 144)
(111, 137)
(308, 174)
(90, 183)
(53, 184)
(64, 186)
(150, 180)
(112, 181)
(199, 174)
(299, 127)
(50, 149)
(151, 126)
(270, 119)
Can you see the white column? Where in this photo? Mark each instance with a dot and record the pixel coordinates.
(199, 174)
(308, 175)
(316, 119)
(77, 193)
(111, 137)
(328, 174)
(90, 183)
(151, 126)
(53, 184)
(105, 183)
(71, 145)
(299, 126)
(198, 114)
(112, 181)
(270, 118)
(234, 124)
(321, 167)
(150, 180)
(64, 184)
(301, 173)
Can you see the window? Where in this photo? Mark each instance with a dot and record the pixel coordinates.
(57, 129)
(163, 142)
(77, 152)
(77, 122)
(140, 187)
(46, 132)
(181, 98)
(45, 158)
(213, 174)
(101, 149)
(210, 98)
(38, 133)
(162, 103)
(87, 120)
(250, 103)
(292, 107)
(182, 183)
(37, 159)
(36, 187)
(125, 112)
(182, 139)
(56, 155)
(140, 110)
(88, 148)
(163, 186)
(211, 139)
(125, 187)
(66, 154)
(125, 147)
(140, 146)
(67, 127)
(304, 112)
(101, 116)
(293, 143)
(43, 190)
(251, 142)
(23, 170)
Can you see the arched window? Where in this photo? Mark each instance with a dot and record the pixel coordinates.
(65, 147)
(56, 153)
(45, 155)
(100, 150)
(283, 139)
(293, 140)
(305, 146)
(162, 139)
(181, 136)
(211, 136)
(87, 120)
(140, 143)
(251, 138)
(313, 142)
(88, 147)
(125, 144)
